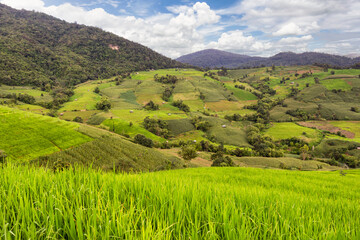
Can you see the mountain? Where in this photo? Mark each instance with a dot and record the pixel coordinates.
(36, 48)
(307, 58)
(215, 58)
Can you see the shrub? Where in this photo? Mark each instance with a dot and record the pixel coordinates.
(200, 124)
(151, 106)
(104, 105)
(354, 109)
(97, 90)
(78, 119)
(182, 106)
(188, 152)
(157, 127)
(142, 140)
(221, 161)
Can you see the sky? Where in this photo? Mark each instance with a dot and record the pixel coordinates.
(251, 27)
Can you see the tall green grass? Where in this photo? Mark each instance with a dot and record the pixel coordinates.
(222, 203)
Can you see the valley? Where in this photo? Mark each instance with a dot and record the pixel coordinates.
(289, 109)
(104, 138)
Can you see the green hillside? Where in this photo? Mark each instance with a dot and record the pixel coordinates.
(36, 49)
(25, 135)
(264, 112)
(212, 203)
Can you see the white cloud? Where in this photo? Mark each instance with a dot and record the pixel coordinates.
(294, 29)
(236, 41)
(170, 34)
(341, 48)
(284, 25)
(297, 17)
(28, 4)
(295, 40)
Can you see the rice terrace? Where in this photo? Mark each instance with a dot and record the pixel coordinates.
(179, 120)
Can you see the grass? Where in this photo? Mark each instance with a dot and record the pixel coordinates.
(351, 126)
(288, 130)
(179, 126)
(137, 116)
(110, 153)
(26, 90)
(25, 135)
(229, 135)
(331, 84)
(201, 203)
(284, 162)
(84, 98)
(241, 94)
(122, 127)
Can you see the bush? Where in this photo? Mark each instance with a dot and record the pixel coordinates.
(200, 124)
(151, 106)
(97, 90)
(188, 152)
(354, 109)
(104, 105)
(182, 106)
(78, 119)
(142, 140)
(157, 127)
(221, 161)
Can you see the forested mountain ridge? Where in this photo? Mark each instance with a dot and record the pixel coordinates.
(215, 59)
(36, 49)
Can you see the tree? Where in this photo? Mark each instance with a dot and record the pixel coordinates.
(182, 106)
(354, 109)
(142, 140)
(151, 106)
(78, 119)
(104, 105)
(97, 90)
(220, 161)
(317, 81)
(188, 152)
(304, 152)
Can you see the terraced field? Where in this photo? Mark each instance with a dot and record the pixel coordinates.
(24, 135)
(288, 130)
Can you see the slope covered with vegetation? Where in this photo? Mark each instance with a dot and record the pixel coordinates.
(24, 135)
(212, 58)
(226, 203)
(37, 49)
(279, 112)
(50, 142)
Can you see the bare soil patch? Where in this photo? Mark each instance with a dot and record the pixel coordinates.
(325, 126)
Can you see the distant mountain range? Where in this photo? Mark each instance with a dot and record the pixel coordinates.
(36, 49)
(215, 58)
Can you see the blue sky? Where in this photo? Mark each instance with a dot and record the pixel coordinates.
(253, 27)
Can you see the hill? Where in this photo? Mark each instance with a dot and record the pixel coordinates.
(215, 58)
(36, 49)
(203, 203)
(42, 140)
